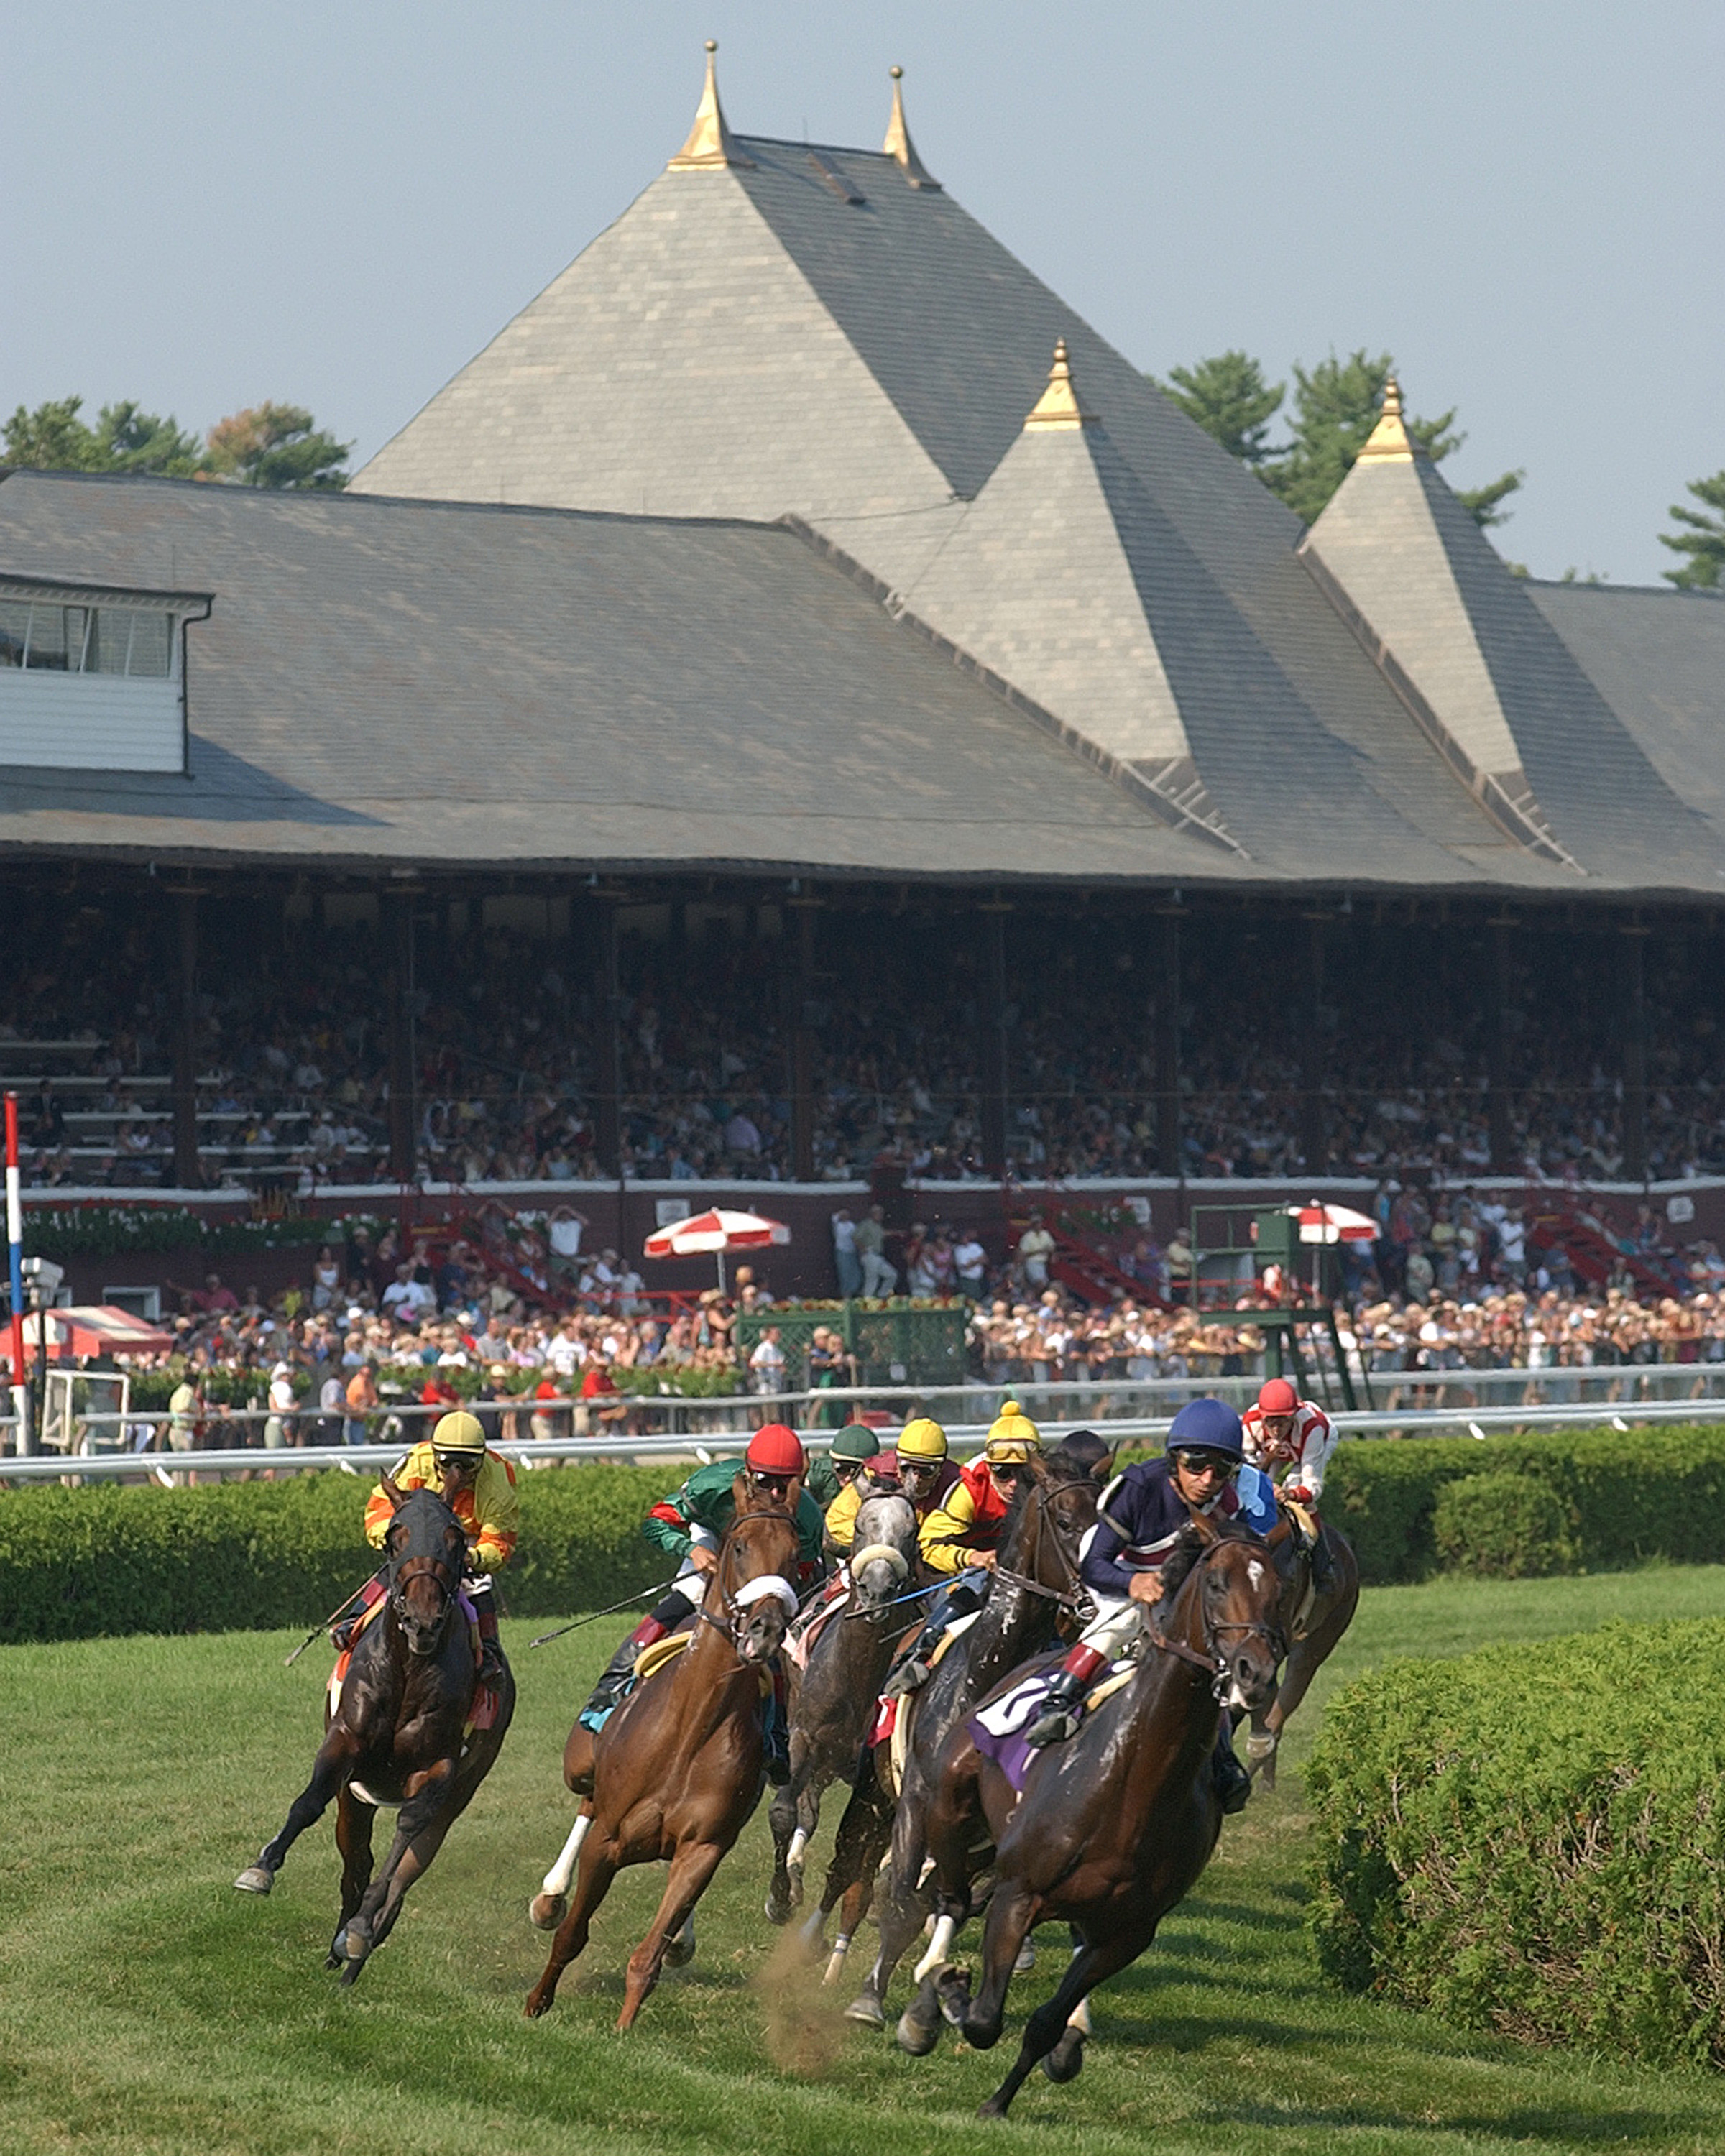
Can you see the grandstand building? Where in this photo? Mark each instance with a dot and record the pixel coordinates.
(798, 562)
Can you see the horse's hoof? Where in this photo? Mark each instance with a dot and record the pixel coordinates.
(545, 1912)
(255, 1880)
(338, 1949)
(916, 2036)
(680, 1949)
(778, 1911)
(1065, 2061)
(868, 2010)
(993, 2108)
(1027, 1958)
(537, 2004)
(952, 1988)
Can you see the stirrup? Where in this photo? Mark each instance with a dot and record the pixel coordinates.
(910, 1675)
(1053, 1726)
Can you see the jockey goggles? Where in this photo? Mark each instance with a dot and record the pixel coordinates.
(1196, 1462)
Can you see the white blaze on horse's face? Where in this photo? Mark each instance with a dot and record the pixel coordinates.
(1255, 1572)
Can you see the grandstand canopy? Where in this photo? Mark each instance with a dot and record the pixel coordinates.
(778, 534)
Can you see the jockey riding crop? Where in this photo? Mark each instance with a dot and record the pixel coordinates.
(334, 1616)
(639, 1595)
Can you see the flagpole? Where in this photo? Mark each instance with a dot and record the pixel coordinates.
(15, 1240)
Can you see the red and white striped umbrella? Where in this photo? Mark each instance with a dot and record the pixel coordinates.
(1333, 1223)
(717, 1230)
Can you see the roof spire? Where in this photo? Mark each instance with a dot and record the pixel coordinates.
(1058, 406)
(711, 144)
(898, 144)
(1389, 442)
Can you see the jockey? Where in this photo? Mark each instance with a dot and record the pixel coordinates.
(1283, 1430)
(689, 1526)
(853, 1448)
(478, 1486)
(960, 1533)
(1141, 1517)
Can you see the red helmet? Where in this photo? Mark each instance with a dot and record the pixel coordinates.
(1278, 1398)
(775, 1450)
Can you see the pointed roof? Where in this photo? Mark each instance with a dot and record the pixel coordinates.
(1481, 668)
(1390, 441)
(1058, 406)
(710, 142)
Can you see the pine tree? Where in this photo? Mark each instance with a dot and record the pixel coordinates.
(276, 445)
(1704, 541)
(1229, 398)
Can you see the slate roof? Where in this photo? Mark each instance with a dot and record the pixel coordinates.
(457, 685)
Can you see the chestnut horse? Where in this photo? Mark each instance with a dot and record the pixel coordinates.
(1035, 1588)
(678, 1767)
(1112, 1826)
(1313, 1634)
(398, 1735)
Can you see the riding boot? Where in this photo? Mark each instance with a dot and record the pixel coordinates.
(343, 1635)
(1058, 1717)
(917, 1668)
(776, 1730)
(1233, 1785)
(1324, 1568)
(491, 1662)
(621, 1667)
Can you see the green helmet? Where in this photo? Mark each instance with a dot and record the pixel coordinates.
(856, 1442)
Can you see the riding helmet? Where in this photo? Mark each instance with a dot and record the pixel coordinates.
(856, 1441)
(1012, 1438)
(1207, 1425)
(1278, 1397)
(775, 1449)
(459, 1435)
(922, 1439)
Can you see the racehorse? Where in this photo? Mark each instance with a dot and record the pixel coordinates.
(1035, 1586)
(678, 1767)
(400, 1732)
(1313, 1633)
(847, 1665)
(1113, 1825)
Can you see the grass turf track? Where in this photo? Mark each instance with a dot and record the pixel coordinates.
(145, 2004)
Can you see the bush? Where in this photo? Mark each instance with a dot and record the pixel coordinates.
(1502, 1525)
(236, 1556)
(1656, 1491)
(1534, 1840)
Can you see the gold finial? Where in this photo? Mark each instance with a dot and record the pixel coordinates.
(1389, 442)
(1058, 406)
(710, 145)
(898, 144)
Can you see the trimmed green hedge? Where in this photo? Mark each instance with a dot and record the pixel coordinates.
(1533, 1839)
(235, 1556)
(1623, 1497)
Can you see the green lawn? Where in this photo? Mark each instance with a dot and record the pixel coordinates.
(144, 2004)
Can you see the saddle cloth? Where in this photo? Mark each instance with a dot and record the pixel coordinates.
(648, 1664)
(997, 1729)
(894, 1712)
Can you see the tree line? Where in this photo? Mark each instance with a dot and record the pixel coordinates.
(1335, 406)
(267, 445)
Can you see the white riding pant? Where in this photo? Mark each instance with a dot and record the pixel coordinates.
(1115, 1625)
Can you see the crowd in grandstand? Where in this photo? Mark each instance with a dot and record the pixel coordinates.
(292, 1058)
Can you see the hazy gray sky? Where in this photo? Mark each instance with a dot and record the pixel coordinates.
(338, 205)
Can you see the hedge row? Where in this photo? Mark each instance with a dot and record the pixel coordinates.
(1532, 1840)
(77, 1563)
(1560, 1501)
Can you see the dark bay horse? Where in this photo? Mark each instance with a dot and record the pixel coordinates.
(834, 1703)
(399, 1734)
(1314, 1628)
(1035, 1588)
(678, 1768)
(1114, 1825)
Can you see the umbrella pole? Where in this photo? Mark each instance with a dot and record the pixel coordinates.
(720, 1255)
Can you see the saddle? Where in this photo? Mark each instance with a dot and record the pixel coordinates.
(647, 1664)
(894, 1713)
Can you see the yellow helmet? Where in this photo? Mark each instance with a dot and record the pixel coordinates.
(459, 1432)
(1012, 1437)
(921, 1439)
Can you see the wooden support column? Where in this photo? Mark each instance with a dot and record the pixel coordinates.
(1497, 1035)
(799, 980)
(1635, 1053)
(1314, 1062)
(607, 1037)
(397, 925)
(1169, 1160)
(187, 1172)
(990, 1015)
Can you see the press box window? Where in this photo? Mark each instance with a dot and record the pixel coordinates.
(48, 638)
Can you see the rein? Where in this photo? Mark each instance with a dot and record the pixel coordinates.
(1074, 1595)
(1211, 1663)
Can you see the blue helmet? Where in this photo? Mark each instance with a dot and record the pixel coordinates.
(1207, 1425)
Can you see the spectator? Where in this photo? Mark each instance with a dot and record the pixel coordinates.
(361, 1398)
(846, 1261)
(1036, 1246)
(767, 1362)
(970, 1263)
(879, 1279)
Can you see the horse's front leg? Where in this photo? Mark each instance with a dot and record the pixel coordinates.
(1046, 2027)
(354, 1819)
(691, 1871)
(427, 1798)
(784, 1819)
(598, 1867)
(336, 1758)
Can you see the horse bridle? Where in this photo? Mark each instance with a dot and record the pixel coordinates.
(1075, 1596)
(728, 1625)
(410, 1569)
(1212, 1663)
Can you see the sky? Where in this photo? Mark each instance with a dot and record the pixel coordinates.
(337, 206)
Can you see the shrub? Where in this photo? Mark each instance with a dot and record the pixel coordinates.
(1656, 1491)
(1502, 1525)
(236, 1556)
(1534, 1841)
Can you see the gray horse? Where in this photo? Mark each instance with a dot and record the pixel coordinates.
(846, 1668)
